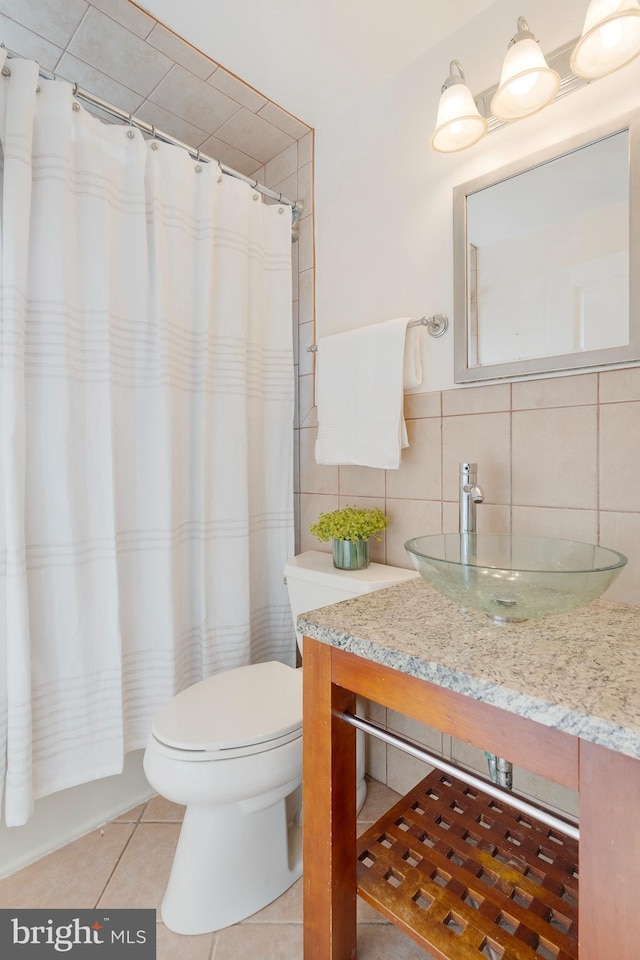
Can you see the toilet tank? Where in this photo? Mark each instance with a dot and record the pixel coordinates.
(313, 581)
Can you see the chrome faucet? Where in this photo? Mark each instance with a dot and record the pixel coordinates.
(470, 495)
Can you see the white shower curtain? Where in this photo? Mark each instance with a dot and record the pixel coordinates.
(145, 434)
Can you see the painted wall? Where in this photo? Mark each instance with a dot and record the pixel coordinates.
(553, 452)
(383, 197)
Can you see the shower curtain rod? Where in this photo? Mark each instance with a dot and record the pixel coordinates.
(156, 134)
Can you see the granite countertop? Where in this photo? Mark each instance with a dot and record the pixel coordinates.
(579, 672)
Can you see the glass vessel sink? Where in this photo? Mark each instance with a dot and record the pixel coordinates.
(515, 578)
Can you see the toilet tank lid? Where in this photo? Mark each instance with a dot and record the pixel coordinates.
(237, 708)
(316, 566)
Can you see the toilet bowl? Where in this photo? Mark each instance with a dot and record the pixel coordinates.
(230, 749)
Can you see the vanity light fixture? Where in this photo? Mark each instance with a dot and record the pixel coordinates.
(610, 38)
(527, 83)
(459, 123)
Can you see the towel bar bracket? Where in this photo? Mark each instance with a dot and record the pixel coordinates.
(437, 325)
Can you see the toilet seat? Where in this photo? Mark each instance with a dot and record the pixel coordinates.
(237, 713)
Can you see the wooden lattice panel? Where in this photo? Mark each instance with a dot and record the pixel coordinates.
(471, 878)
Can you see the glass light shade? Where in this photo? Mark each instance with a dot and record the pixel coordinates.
(527, 84)
(610, 38)
(459, 124)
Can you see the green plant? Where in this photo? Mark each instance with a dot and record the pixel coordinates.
(349, 523)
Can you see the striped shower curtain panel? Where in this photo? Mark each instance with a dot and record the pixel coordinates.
(146, 505)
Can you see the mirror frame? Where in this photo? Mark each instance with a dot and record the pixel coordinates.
(615, 356)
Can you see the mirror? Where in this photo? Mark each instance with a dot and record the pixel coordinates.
(546, 261)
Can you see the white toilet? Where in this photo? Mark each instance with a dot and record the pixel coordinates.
(230, 749)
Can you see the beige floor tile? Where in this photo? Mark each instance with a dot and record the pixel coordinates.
(142, 874)
(131, 816)
(160, 809)
(172, 946)
(259, 941)
(379, 798)
(386, 942)
(286, 909)
(73, 877)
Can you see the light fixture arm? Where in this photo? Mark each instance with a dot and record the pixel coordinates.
(453, 78)
(524, 32)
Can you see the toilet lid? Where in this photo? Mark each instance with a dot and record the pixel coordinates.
(249, 705)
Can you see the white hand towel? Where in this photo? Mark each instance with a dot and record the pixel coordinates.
(359, 388)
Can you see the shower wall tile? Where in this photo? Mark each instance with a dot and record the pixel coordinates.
(275, 115)
(306, 339)
(76, 71)
(281, 166)
(305, 244)
(305, 149)
(233, 87)
(172, 124)
(420, 474)
(555, 456)
(128, 14)
(114, 50)
(488, 399)
(29, 44)
(253, 135)
(184, 54)
(308, 410)
(195, 100)
(48, 18)
(306, 295)
(305, 187)
(483, 438)
(556, 392)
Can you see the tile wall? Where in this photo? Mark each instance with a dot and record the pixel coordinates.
(556, 456)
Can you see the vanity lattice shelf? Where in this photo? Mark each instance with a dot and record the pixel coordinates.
(470, 878)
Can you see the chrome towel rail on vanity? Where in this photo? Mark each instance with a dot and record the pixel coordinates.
(478, 783)
(437, 325)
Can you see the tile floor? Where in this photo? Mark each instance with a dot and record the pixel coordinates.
(127, 864)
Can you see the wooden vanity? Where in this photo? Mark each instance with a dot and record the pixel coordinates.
(558, 696)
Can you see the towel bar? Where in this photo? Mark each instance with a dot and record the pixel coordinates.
(437, 325)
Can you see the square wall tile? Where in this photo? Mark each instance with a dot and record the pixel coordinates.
(128, 14)
(556, 522)
(219, 150)
(311, 506)
(197, 102)
(556, 392)
(413, 730)
(29, 44)
(361, 481)
(308, 411)
(619, 385)
(241, 92)
(56, 20)
(281, 166)
(404, 771)
(487, 399)
(284, 121)
(409, 518)
(305, 244)
(315, 477)
(419, 476)
(306, 296)
(251, 133)
(555, 457)
(182, 52)
(76, 71)
(482, 438)
(305, 149)
(114, 50)
(619, 456)
(419, 405)
(621, 531)
(549, 794)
